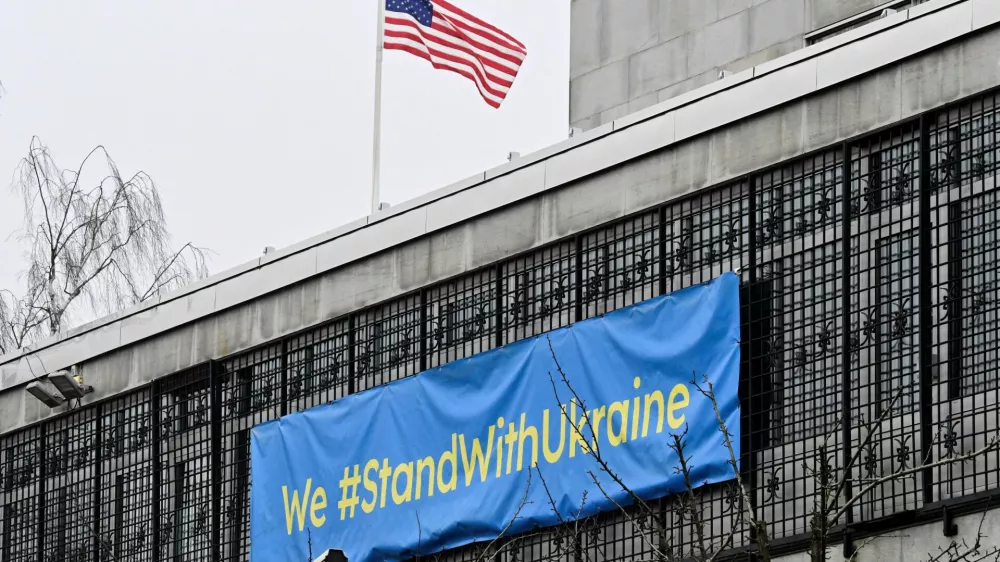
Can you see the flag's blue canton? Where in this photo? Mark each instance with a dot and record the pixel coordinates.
(421, 10)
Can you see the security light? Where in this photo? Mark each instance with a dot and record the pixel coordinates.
(70, 385)
(513, 155)
(332, 556)
(44, 391)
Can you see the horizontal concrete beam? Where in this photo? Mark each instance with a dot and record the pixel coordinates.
(761, 88)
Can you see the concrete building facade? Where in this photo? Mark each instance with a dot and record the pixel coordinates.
(627, 55)
(851, 183)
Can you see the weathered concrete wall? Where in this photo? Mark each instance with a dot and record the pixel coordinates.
(626, 55)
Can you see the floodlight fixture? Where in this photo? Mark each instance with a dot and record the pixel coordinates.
(44, 391)
(70, 385)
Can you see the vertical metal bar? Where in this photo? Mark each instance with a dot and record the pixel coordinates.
(955, 290)
(352, 370)
(750, 467)
(423, 329)
(179, 477)
(98, 474)
(663, 249)
(752, 234)
(578, 278)
(42, 454)
(845, 322)
(119, 516)
(154, 454)
(283, 377)
(6, 521)
(498, 304)
(215, 384)
(926, 312)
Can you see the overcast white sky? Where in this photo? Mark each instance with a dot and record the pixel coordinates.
(254, 117)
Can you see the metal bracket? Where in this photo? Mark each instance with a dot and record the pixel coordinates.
(948, 526)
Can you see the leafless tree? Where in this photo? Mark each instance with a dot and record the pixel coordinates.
(95, 241)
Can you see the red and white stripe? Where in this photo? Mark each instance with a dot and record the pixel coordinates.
(462, 43)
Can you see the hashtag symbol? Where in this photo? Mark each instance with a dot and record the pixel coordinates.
(349, 492)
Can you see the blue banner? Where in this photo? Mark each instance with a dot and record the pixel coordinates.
(489, 444)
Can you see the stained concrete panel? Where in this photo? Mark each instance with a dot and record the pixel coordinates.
(718, 43)
(614, 113)
(826, 12)
(776, 21)
(508, 231)
(584, 43)
(516, 185)
(658, 67)
(640, 103)
(154, 320)
(893, 44)
(693, 83)
(765, 55)
(599, 90)
(627, 30)
(679, 17)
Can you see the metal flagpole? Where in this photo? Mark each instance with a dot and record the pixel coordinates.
(377, 132)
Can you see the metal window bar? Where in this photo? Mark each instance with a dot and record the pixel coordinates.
(125, 478)
(883, 299)
(965, 293)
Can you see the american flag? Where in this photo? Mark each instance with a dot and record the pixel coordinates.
(453, 39)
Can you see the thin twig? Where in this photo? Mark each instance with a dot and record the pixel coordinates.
(516, 516)
(595, 449)
(992, 445)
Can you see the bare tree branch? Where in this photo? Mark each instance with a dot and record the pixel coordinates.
(594, 447)
(95, 242)
(517, 515)
(759, 526)
(992, 445)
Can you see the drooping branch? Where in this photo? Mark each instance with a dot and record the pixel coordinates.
(95, 241)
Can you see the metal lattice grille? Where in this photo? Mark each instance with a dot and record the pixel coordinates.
(870, 309)
(795, 332)
(461, 318)
(251, 393)
(964, 145)
(184, 404)
(538, 292)
(126, 479)
(620, 265)
(884, 304)
(387, 343)
(22, 469)
(71, 467)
